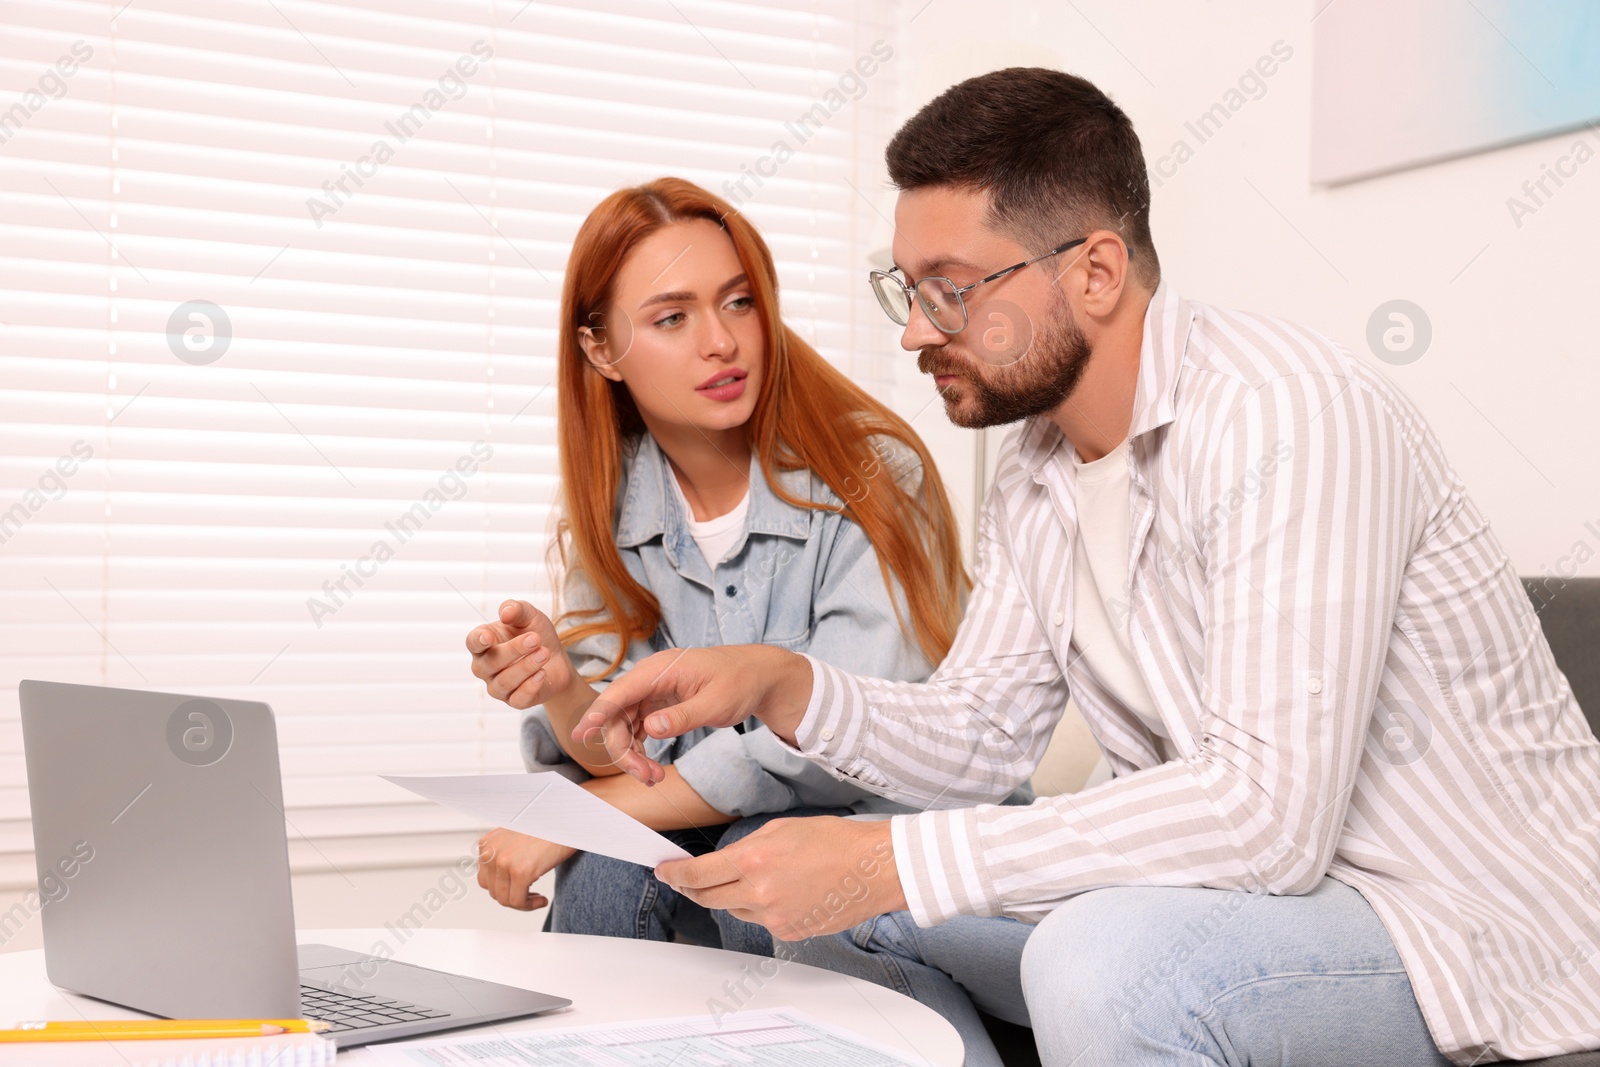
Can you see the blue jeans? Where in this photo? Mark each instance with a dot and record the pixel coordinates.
(1136, 975)
(614, 898)
(1144, 975)
(956, 968)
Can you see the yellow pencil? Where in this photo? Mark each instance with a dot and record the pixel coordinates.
(139, 1029)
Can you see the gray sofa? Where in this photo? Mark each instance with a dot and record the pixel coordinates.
(1569, 610)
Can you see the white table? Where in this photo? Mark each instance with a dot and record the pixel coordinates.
(607, 980)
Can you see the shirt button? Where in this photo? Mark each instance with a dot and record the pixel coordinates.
(827, 735)
(732, 590)
(1313, 685)
(1058, 619)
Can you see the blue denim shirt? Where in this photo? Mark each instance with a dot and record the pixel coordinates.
(799, 578)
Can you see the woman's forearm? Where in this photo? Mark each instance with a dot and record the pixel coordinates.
(565, 709)
(671, 804)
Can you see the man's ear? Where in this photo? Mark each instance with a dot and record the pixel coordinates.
(1104, 272)
(596, 343)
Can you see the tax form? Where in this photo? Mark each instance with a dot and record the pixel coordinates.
(786, 1038)
(547, 805)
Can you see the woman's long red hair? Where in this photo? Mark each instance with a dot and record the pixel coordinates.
(807, 416)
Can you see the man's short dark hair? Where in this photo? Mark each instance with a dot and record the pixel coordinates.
(1056, 156)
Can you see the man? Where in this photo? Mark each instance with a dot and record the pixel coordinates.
(1355, 815)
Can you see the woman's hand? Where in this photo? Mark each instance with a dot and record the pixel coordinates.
(519, 658)
(509, 862)
(521, 662)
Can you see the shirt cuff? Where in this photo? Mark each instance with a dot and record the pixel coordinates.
(833, 727)
(941, 865)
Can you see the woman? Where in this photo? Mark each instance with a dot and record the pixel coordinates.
(722, 484)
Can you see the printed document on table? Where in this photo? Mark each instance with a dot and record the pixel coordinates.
(787, 1038)
(548, 806)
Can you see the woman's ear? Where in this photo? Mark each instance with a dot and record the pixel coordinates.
(596, 343)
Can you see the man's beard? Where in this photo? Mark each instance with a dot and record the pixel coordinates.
(1037, 382)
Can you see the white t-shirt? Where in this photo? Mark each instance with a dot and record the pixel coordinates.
(714, 536)
(1100, 579)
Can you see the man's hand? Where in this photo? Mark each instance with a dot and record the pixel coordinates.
(673, 692)
(519, 658)
(797, 877)
(509, 862)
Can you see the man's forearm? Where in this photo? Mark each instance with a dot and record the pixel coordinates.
(671, 804)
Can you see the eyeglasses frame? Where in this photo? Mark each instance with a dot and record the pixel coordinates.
(913, 291)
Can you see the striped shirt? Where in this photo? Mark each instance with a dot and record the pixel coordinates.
(1351, 675)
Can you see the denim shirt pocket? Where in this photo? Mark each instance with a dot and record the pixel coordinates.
(786, 569)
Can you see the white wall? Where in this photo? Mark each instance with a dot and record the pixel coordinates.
(1511, 379)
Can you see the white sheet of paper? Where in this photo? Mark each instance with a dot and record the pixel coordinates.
(784, 1038)
(549, 806)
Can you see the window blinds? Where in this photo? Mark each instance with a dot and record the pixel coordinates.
(278, 285)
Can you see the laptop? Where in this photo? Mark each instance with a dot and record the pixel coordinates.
(158, 830)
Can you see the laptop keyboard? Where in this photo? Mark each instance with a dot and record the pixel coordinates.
(357, 1011)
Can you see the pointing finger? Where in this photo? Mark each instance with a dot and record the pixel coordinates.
(613, 728)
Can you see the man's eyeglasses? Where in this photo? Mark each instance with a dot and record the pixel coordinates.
(940, 297)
